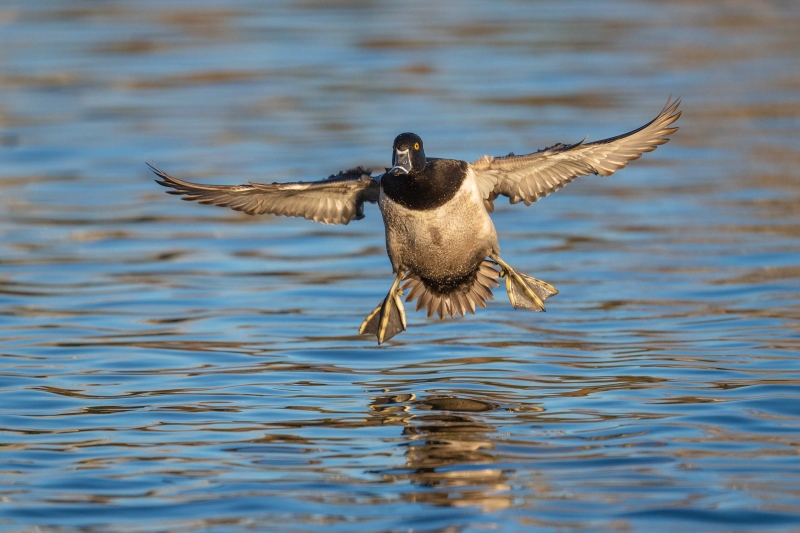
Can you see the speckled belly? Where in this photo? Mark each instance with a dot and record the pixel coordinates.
(447, 242)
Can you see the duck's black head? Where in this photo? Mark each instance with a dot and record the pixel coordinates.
(408, 155)
(419, 183)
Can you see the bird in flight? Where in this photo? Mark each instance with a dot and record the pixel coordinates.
(439, 236)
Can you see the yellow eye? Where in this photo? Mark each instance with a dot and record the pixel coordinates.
(416, 146)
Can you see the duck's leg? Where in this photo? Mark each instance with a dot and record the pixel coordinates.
(524, 291)
(389, 318)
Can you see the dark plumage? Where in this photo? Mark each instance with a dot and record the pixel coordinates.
(439, 236)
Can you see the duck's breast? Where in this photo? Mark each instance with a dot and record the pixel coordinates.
(446, 241)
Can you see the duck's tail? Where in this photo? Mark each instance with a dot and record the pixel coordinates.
(452, 297)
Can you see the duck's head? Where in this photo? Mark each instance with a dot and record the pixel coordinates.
(408, 156)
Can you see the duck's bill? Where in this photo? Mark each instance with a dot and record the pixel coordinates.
(401, 161)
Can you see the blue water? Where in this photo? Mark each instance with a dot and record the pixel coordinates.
(174, 367)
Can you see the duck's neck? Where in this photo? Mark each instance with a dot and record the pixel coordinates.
(435, 185)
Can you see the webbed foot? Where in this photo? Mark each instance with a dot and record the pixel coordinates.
(389, 318)
(524, 291)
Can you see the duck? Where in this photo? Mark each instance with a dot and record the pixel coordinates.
(440, 239)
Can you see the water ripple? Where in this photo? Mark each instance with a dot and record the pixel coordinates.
(172, 367)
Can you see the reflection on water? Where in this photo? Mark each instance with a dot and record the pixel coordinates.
(449, 454)
(173, 367)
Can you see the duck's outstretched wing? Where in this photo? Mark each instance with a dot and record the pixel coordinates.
(526, 178)
(336, 200)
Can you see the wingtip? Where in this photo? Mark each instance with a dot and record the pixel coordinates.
(671, 114)
(157, 171)
(672, 105)
(165, 180)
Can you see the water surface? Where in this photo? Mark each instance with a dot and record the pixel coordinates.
(174, 367)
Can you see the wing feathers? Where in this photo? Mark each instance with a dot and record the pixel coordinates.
(336, 200)
(526, 178)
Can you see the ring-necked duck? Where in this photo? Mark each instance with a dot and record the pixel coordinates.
(439, 236)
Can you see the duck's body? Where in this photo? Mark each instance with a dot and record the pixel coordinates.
(442, 243)
(436, 213)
